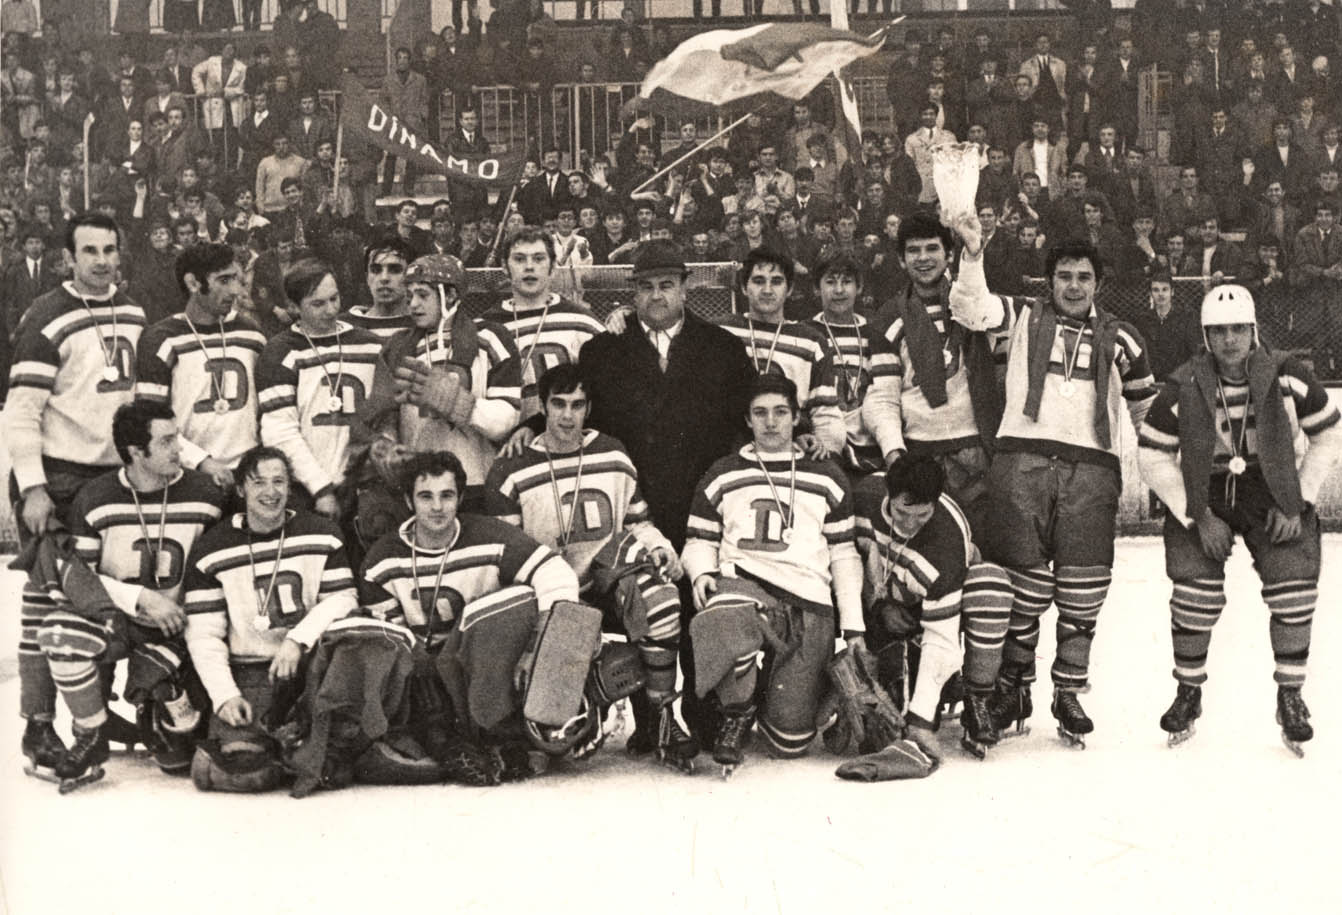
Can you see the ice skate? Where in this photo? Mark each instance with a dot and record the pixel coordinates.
(44, 748)
(953, 694)
(120, 731)
(1073, 725)
(1293, 716)
(1010, 705)
(729, 748)
(1186, 709)
(82, 763)
(976, 718)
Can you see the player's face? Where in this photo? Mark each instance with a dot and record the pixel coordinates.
(660, 299)
(907, 516)
(565, 415)
(771, 421)
(97, 257)
(838, 294)
(925, 260)
(1074, 286)
(265, 493)
(163, 455)
(766, 290)
(435, 503)
(425, 309)
(319, 308)
(386, 278)
(1230, 345)
(529, 268)
(224, 292)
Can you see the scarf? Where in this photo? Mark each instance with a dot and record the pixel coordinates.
(930, 370)
(1043, 328)
(1198, 431)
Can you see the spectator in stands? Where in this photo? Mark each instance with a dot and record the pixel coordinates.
(219, 82)
(1284, 161)
(1138, 259)
(1218, 258)
(180, 145)
(918, 146)
(1288, 81)
(165, 96)
(769, 178)
(271, 172)
(1276, 219)
(989, 99)
(1048, 82)
(1084, 93)
(1307, 124)
(906, 84)
(547, 191)
(1254, 117)
(1064, 218)
(1043, 158)
(1121, 82)
(1103, 159)
(1188, 205)
(406, 95)
(1316, 275)
(1103, 235)
(1028, 257)
(1218, 152)
(1325, 187)
(1173, 333)
(18, 16)
(996, 182)
(311, 128)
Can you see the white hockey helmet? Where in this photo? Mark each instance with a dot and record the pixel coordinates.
(1228, 304)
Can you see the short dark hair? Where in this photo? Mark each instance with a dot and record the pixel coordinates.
(202, 260)
(92, 220)
(563, 378)
(390, 243)
(841, 263)
(303, 277)
(252, 458)
(288, 183)
(1073, 250)
(923, 225)
(528, 234)
(921, 478)
(432, 464)
(769, 383)
(763, 255)
(131, 422)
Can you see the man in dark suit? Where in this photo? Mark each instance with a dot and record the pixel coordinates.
(25, 279)
(467, 140)
(1284, 161)
(544, 193)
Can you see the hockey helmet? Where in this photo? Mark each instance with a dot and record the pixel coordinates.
(1228, 304)
(437, 270)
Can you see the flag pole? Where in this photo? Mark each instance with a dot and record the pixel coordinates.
(498, 235)
(88, 123)
(730, 127)
(340, 145)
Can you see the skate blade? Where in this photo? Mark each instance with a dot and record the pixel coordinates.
(1293, 746)
(676, 764)
(727, 771)
(43, 773)
(1020, 730)
(1073, 741)
(1177, 737)
(88, 778)
(974, 748)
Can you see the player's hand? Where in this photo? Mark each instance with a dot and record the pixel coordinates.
(285, 664)
(327, 505)
(218, 472)
(618, 319)
(38, 510)
(236, 712)
(705, 586)
(1216, 536)
(668, 563)
(814, 448)
(1281, 527)
(857, 647)
(518, 442)
(161, 611)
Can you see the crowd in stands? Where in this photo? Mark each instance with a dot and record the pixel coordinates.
(200, 144)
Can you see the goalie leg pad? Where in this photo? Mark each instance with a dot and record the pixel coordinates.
(725, 632)
(565, 647)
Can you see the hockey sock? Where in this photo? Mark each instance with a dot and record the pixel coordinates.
(1292, 606)
(1195, 606)
(738, 687)
(72, 646)
(1032, 592)
(658, 650)
(37, 691)
(985, 611)
(149, 666)
(1081, 593)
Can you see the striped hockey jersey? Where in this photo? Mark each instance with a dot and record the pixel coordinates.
(544, 337)
(301, 566)
(406, 584)
(798, 351)
(384, 327)
(851, 343)
(194, 371)
(523, 491)
(61, 393)
(143, 538)
(297, 386)
(796, 534)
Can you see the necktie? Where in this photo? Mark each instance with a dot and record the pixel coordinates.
(32, 270)
(655, 336)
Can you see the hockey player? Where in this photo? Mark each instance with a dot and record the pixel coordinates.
(313, 379)
(135, 527)
(384, 264)
(1221, 448)
(777, 525)
(852, 341)
(74, 364)
(546, 329)
(925, 580)
(202, 361)
(793, 349)
(576, 490)
(431, 575)
(261, 587)
(1055, 479)
(934, 387)
(446, 384)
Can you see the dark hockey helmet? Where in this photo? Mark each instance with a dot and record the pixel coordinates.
(437, 270)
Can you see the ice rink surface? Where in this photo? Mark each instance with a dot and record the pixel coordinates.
(1229, 822)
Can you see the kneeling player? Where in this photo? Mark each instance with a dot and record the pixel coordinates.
(927, 582)
(261, 588)
(770, 528)
(576, 490)
(1218, 448)
(495, 613)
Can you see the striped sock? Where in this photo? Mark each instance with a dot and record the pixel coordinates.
(72, 646)
(37, 691)
(1032, 592)
(1291, 604)
(985, 612)
(1081, 593)
(658, 650)
(1195, 606)
(782, 744)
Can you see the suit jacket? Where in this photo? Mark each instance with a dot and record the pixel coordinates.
(209, 80)
(257, 142)
(991, 107)
(153, 106)
(305, 142)
(1219, 159)
(1227, 259)
(1262, 227)
(1295, 176)
(1310, 250)
(676, 423)
(409, 101)
(918, 146)
(20, 289)
(535, 199)
(1057, 165)
(1178, 212)
(1057, 67)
